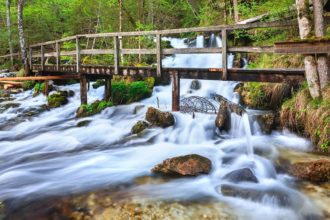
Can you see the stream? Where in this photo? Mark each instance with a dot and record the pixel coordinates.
(48, 155)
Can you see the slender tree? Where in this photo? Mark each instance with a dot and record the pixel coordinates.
(305, 30)
(322, 60)
(20, 7)
(120, 7)
(8, 24)
(236, 16)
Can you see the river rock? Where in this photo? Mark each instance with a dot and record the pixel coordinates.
(195, 85)
(58, 99)
(189, 165)
(255, 194)
(83, 123)
(266, 122)
(159, 118)
(139, 127)
(241, 175)
(315, 171)
(223, 118)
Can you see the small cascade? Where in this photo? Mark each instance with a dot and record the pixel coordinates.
(248, 133)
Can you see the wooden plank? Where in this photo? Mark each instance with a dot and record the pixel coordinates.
(116, 54)
(175, 91)
(42, 57)
(9, 55)
(159, 55)
(224, 54)
(303, 47)
(58, 55)
(36, 78)
(263, 49)
(107, 88)
(191, 51)
(46, 92)
(83, 89)
(78, 55)
(138, 51)
(30, 57)
(96, 51)
(54, 41)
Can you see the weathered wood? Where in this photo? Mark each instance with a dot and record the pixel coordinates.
(58, 55)
(264, 49)
(303, 47)
(116, 54)
(224, 55)
(96, 51)
(46, 92)
(9, 55)
(175, 91)
(83, 89)
(138, 51)
(159, 55)
(107, 88)
(11, 83)
(191, 50)
(36, 78)
(78, 55)
(30, 57)
(42, 57)
(54, 41)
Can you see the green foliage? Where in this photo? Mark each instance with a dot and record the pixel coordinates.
(28, 85)
(125, 93)
(57, 99)
(92, 109)
(98, 83)
(39, 88)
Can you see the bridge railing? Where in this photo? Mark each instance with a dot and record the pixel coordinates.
(49, 49)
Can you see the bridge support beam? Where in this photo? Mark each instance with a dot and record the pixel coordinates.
(107, 89)
(175, 91)
(83, 89)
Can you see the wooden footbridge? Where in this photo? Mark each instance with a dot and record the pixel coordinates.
(38, 53)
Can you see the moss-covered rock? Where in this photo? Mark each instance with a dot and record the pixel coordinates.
(189, 165)
(266, 122)
(159, 118)
(92, 109)
(139, 127)
(28, 85)
(315, 171)
(58, 99)
(125, 93)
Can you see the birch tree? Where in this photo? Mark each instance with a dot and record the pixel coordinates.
(305, 31)
(322, 59)
(8, 24)
(20, 21)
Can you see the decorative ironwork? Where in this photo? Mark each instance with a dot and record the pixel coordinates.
(194, 104)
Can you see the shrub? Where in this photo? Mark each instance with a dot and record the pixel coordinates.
(125, 93)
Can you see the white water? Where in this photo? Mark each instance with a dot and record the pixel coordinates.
(49, 155)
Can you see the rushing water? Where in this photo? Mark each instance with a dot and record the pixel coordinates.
(49, 155)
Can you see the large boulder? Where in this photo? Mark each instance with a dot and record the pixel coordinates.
(256, 195)
(223, 118)
(139, 127)
(159, 118)
(189, 165)
(266, 122)
(241, 175)
(315, 171)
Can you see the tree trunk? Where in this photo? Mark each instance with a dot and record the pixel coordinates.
(322, 60)
(305, 30)
(20, 6)
(120, 6)
(8, 24)
(235, 4)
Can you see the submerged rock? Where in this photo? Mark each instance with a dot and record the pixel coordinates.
(315, 171)
(139, 127)
(281, 198)
(223, 118)
(189, 165)
(241, 175)
(159, 118)
(195, 85)
(266, 122)
(83, 123)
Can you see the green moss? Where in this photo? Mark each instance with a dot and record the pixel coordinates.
(125, 93)
(57, 99)
(39, 88)
(93, 109)
(98, 83)
(28, 85)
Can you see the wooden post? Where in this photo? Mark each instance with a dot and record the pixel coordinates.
(83, 89)
(107, 89)
(42, 57)
(78, 57)
(175, 91)
(30, 57)
(159, 55)
(116, 54)
(46, 92)
(224, 55)
(58, 56)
